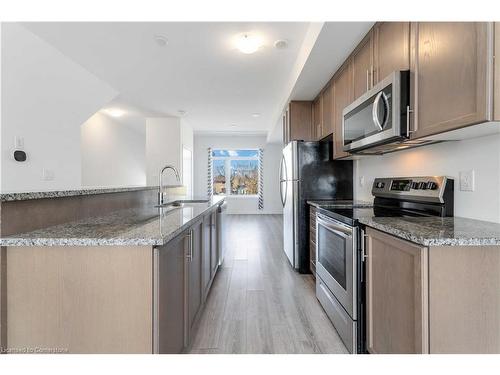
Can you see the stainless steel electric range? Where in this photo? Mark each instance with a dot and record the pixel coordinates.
(340, 245)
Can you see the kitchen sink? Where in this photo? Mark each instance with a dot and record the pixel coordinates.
(181, 202)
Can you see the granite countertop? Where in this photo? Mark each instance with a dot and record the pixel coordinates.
(331, 203)
(438, 231)
(148, 226)
(23, 196)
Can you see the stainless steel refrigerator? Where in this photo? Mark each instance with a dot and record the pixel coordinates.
(308, 173)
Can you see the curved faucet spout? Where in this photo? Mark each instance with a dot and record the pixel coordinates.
(160, 182)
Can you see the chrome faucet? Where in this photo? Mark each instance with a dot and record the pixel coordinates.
(161, 199)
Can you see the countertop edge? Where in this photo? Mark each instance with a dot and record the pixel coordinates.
(24, 196)
(430, 242)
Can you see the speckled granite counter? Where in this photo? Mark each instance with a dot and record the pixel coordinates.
(437, 231)
(23, 196)
(135, 227)
(339, 203)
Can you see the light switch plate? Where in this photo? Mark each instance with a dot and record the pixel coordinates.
(362, 181)
(48, 174)
(18, 142)
(467, 180)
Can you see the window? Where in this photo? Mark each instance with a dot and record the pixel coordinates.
(235, 172)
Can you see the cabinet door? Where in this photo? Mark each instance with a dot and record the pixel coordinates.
(205, 256)
(195, 291)
(450, 69)
(391, 48)
(496, 85)
(342, 97)
(214, 261)
(312, 239)
(318, 117)
(327, 113)
(170, 289)
(301, 120)
(362, 66)
(396, 295)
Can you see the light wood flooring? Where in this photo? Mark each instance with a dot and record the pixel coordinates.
(258, 303)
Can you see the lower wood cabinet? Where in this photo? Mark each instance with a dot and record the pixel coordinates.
(183, 276)
(194, 291)
(438, 299)
(396, 295)
(170, 296)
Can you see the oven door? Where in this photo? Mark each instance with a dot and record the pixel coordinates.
(379, 116)
(336, 260)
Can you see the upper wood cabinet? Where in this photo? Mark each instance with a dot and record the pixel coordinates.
(327, 112)
(297, 122)
(496, 93)
(342, 97)
(362, 66)
(396, 295)
(451, 83)
(391, 48)
(317, 118)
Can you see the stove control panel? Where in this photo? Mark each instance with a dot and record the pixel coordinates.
(420, 189)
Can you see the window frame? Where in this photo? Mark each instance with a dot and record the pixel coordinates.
(227, 170)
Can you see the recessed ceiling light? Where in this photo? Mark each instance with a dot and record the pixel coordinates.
(181, 112)
(161, 40)
(280, 44)
(233, 125)
(255, 114)
(248, 43)
(115, 112)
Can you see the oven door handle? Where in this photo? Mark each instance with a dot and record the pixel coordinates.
(343, 232)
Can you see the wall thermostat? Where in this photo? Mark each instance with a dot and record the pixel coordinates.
(19, 155)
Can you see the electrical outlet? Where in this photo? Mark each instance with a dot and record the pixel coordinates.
(18, 142)
(48, 174)
(467, 180)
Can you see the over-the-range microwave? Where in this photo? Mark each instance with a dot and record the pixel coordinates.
(378, 117)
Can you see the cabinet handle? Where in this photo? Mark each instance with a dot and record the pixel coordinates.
(408, 112)
(190, 246)
(367, 79)
(363, 250)
(372, 76)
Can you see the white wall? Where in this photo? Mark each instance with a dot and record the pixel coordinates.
(113, 153)
(272, 158)
(164, 139)
(45, 99)
(481, 154)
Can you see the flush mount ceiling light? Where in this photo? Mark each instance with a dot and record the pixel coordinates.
(233, 125)
(248, 43)
(161, 40)
(115, 112)
(255, 115)
(281, 44)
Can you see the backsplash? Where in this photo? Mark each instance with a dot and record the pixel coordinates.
(449, 159)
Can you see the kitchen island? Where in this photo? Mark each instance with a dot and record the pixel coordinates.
(130, 281)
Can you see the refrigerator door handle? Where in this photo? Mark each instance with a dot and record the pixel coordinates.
(281, 167)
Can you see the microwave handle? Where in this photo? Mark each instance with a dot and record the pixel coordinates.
(376, 103)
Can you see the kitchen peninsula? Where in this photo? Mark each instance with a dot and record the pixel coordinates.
(132, 280)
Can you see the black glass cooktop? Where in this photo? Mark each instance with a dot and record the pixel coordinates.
(351, 216)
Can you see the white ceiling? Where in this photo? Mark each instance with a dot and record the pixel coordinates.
(200, 71)
(332, 46)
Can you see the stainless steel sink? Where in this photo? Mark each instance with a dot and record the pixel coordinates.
(181, 202)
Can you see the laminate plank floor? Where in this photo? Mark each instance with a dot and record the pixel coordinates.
(258, 303)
